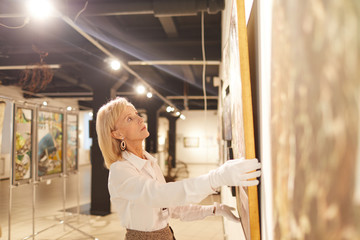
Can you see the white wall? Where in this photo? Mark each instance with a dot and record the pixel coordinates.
(265, 23)
(163, 142)
(196, 125)
(85, 141)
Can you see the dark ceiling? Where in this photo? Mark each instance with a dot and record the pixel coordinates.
(85, 33)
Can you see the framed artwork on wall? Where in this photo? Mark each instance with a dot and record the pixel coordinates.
(6, 136)
(226, 119)
(2, 116)
(191, 142)
(72, 130)
(50, 144)
(23, 144)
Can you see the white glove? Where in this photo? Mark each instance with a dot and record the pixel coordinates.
(225, 211)
(235, 173)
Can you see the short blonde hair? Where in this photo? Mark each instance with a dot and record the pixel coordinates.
(106, 118)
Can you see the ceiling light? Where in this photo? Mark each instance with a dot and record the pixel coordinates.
(115, 64)
(140, 89)
(40, 8)
(69, 108)
(182, 117)
(170, 109)
(177, 113)
(45, 103)
(149, 95)
(91, 114)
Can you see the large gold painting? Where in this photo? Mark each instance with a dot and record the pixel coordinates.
(315, 119)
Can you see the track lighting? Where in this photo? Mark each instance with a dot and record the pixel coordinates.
(115, 64)
(170, 109)
(140, 89)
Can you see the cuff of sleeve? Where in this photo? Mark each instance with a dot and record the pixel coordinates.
(208, 210)
(198, 188)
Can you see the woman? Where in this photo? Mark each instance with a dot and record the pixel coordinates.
(139, 193)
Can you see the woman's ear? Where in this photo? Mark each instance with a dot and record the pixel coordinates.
(115, 134)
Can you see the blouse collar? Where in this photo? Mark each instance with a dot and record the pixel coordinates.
(139, 163)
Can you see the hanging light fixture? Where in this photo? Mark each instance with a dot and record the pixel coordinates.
(149, 95)
(40, 9)
(140, 89)
(115, 64)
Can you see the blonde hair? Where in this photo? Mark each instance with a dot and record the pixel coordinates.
(106, 118)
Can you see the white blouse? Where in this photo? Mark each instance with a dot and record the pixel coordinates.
(145, 202)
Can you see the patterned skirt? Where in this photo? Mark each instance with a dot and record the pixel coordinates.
(162, 234)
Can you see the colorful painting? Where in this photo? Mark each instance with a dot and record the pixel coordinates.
(2, 115)
(50, 143)
(72, 143)
(23, 144)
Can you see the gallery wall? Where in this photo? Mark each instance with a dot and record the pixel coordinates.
(197, 138)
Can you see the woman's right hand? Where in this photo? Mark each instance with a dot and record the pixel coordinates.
(236, 172)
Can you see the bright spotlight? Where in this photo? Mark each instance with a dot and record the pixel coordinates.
(177, 113)
(45, 103)
(182, 117)
(149, 95)
(140, 89)
(115, 64)
(91, 114)
(170, 109)
(40, 8)
(69, 108)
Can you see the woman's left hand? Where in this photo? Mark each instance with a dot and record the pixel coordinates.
(225, 211)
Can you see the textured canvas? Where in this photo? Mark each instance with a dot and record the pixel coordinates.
(23, 144)
(2, 115)
(50, 143)
(72, 142)
(315, 116)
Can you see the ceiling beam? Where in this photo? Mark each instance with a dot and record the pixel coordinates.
(188, 73)
(69, 79)
(192, 97)
(23, 67)
(132, 7)
(169, 27)
(174, 62)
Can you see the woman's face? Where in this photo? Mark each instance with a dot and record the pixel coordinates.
(130, 126)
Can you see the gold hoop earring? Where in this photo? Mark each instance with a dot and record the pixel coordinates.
(123, 145)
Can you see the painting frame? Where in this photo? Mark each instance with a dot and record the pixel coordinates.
(71, 137)
(236, 77)
(24, 119)
(50, 144)
(6, 137)
(191, 142)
